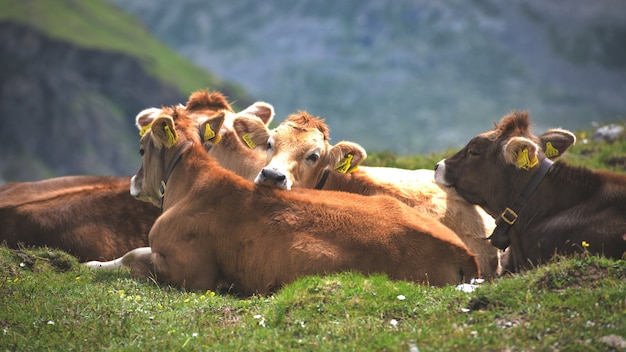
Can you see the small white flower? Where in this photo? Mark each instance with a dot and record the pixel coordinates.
(257, 316)
(22, 264)
(195, 334)
(50, 322)
(465, 310)
(401, 297)
(393, 322)
(467, 287)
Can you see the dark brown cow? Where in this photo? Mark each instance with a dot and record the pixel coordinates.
(542, 207)
(220, 230)
(96, 218)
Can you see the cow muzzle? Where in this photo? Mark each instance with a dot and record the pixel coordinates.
(273, 178)
(135, 191)
(440, 173)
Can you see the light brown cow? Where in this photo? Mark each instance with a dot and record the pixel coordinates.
(543, 207)
(96, 218)
(299, 155)
(220, 230)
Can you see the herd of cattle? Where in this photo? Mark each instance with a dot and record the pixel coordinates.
(222, 202)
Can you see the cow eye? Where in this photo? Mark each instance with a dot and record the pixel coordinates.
(473, 152)
(141, 151)
(313, 157)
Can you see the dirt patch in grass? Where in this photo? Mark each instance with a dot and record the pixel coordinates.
(589, 275)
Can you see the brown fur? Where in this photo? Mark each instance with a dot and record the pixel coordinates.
(572, 205)
(301, 135)
(91, 217)
(96, 218)
(218, 229)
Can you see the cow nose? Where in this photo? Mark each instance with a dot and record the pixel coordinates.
(273, 175)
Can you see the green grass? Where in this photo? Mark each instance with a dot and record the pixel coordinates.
(49, 302)
(97, 24)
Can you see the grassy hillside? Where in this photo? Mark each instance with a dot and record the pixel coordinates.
(100, 25)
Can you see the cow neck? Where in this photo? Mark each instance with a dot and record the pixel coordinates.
(322, 181)
(509, 215)
(170, 168)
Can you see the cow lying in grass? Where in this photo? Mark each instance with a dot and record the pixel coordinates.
(542, 207)
(219, 230)
(299, 155)
(94, 217)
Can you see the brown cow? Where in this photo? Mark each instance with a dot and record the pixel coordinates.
(220, 230)
(96, 218)
(90, 217)
(543, 207)
(299, 155)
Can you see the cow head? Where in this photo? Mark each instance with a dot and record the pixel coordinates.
(225, 146)
(495, 165)
(298, 151)
(161, 146)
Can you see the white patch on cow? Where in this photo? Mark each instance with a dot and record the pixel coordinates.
(134, 191)
(440, 173)
(117, 263)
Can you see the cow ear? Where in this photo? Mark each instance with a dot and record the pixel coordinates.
(521, 152)
(252, 131)
(345, 157)
(556, 141)
(262, 110)
(163, 131)
(209, 128)
(144, 119)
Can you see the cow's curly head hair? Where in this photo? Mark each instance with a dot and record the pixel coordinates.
(303, 120)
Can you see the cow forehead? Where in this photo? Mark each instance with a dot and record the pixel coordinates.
(294, 138)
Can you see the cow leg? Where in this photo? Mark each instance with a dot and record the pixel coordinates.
(138, 260)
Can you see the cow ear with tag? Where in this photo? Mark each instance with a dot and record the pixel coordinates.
(521, 152)
(556, 141)
(345, 157)
(144, 119)
(163, 131)
(251, 131)
(210, 127)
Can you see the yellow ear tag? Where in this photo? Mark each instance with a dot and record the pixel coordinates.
(210, 134)
(551, 151)
(524, 162)
(171, 137)
(145, 129)
(249, 141)
(344, 165)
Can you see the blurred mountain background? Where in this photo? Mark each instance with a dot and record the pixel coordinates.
(410, 76)
(404, 76)
(73, 76)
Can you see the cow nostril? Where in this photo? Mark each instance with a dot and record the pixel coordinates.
(273, 175)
